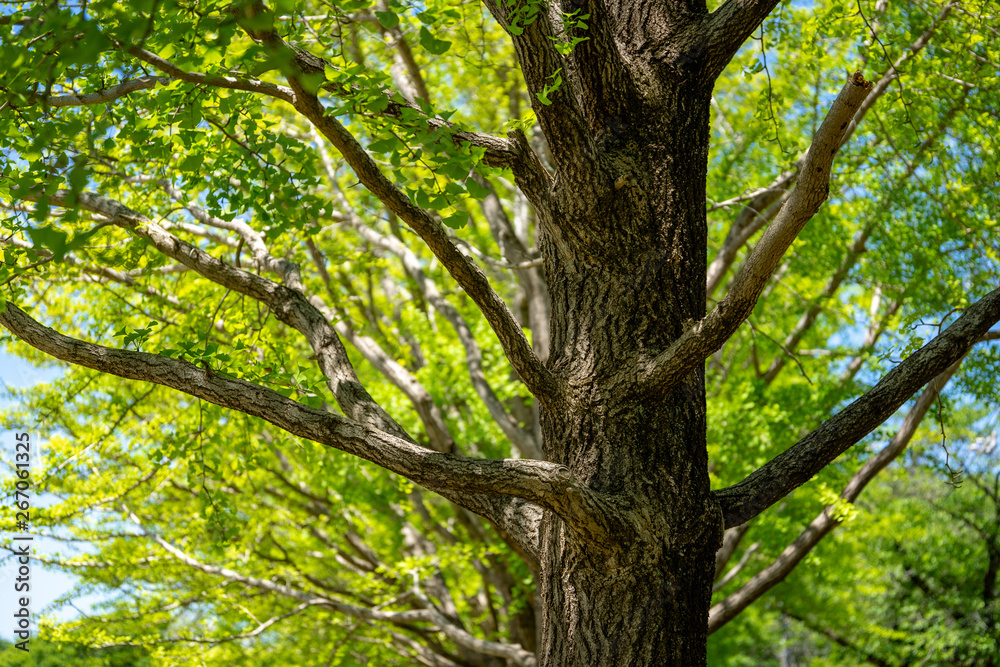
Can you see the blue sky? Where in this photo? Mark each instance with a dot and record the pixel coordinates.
(46, 583)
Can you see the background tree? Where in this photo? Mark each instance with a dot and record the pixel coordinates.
(50, 654)
(275, 210)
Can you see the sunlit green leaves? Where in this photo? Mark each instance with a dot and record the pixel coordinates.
(433, 45)
(388, 19)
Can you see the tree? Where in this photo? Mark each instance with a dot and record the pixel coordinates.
(171, 185)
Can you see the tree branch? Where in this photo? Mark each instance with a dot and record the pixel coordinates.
(512, 652)
(736, 569)
(515, 519)
(216, 81)
(289, 304)
(470, 277)
(532, 373)
(728, 27)
(404, 380)
(838, 639)
(760, 209)
(798, 464)
(730, 540)
(547, 484)
(668, 368)
(562, 120)
(102, 96)
(521, 438)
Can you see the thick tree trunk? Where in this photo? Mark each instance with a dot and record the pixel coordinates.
(626, 273)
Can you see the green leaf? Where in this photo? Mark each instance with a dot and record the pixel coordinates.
(439, 203)
(386, 145)
(433, 45)
(457, 220)
(49, 238)
(388, 20)
(192, 163)
(476, 190)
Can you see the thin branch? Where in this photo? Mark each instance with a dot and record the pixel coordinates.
(826, 521)
(522, 439)
(855, 250)
(404, 380)
(759, 212)
(216, 81)
(728, 27)
(542, 383)
(289, 304)
(730, 540)
(102, 96)
(220, 640)
(736, 569)
(512, 652)
(538, 379)
(838, 639)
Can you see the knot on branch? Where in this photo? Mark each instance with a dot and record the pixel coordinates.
(858, 79)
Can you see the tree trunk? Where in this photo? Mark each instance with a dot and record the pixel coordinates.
(625, 267)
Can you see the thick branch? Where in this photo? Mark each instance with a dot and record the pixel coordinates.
(789, 470)
(535, 376)
(698, 342)
(728, 27)
(547, 484)
(562, 120)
